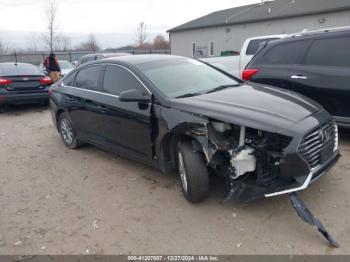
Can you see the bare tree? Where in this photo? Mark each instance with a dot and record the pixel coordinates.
(4, 49)
(141, 34)
(32, 43)
(62, 42)
(90, 45)
(160, 43)
(51, 16)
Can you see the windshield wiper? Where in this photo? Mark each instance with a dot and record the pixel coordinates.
(189, 95)
(220, 88)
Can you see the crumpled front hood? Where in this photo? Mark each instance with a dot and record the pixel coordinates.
(253, 105)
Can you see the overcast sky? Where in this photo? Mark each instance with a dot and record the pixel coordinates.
(103, 17)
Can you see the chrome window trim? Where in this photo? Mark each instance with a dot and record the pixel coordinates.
(91, 91)
(102, 93)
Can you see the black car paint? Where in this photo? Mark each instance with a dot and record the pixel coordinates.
(147, 131)
(327, 85)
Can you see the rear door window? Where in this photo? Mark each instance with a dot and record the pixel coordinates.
(286, 53)
(117, 79)
(329, 52)
(89, 78)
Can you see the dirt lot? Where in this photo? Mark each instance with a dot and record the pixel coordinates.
(57, 201)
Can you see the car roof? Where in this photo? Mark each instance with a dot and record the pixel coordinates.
(105, 54)
(317, 33)
(140, 59)
(113, 54)
(309, 35)
(266, 37)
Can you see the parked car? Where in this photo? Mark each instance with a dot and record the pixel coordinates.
(22, 83)
(97, 56)
(234, 65)
(315, 64)
(177, 113)
(65, 66)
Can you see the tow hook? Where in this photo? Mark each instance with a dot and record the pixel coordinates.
(305, 214)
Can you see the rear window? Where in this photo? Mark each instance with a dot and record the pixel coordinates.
(329, 52)
(286, 53)
(254, 45)
(19, 70)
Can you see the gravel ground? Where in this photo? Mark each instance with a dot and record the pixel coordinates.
(88, 201)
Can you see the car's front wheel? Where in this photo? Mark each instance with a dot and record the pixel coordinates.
(67, 131)
(193, 172)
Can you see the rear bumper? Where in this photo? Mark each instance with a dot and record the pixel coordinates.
(18, 98)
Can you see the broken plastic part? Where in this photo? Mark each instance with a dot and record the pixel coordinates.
(308, 217)
(243, 162)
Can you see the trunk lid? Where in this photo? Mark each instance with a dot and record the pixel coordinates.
(24, 83)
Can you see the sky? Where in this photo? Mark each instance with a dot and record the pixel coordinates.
(114, 22)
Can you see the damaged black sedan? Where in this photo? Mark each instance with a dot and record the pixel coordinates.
(176, 113)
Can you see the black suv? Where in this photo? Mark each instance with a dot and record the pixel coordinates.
(315, 64)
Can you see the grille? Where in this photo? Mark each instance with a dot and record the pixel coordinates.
(317, 146)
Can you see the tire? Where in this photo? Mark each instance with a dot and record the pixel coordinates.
(67, 132)
(193, 173)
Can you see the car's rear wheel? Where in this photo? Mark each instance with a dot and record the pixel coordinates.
(67, 131)
(193, 172)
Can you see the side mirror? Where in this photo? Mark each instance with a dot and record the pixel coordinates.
(134, 95)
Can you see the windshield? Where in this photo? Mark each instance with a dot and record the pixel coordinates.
(184, 76)
(65, 64)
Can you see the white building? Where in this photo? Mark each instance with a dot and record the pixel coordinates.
(226, 30)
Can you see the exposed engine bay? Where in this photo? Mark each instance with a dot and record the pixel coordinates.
(250, 158)
(241, 154)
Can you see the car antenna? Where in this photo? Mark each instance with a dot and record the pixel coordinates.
(305, 214)
(15, 58)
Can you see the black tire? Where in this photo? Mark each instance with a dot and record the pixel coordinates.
(195, 180)
(68, 132)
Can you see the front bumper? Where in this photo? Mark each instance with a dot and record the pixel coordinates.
(22, 98)
(303, 182)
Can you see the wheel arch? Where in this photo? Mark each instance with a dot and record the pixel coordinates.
(182, 132)
(59, 112)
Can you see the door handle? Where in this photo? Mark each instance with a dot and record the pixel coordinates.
(298, 77)
(70, 98)
(102, 109)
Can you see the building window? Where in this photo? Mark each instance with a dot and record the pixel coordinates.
(193, 49)
(211, 48)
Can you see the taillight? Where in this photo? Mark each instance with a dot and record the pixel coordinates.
(45, 80)
(5, 82)
(248, 73)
